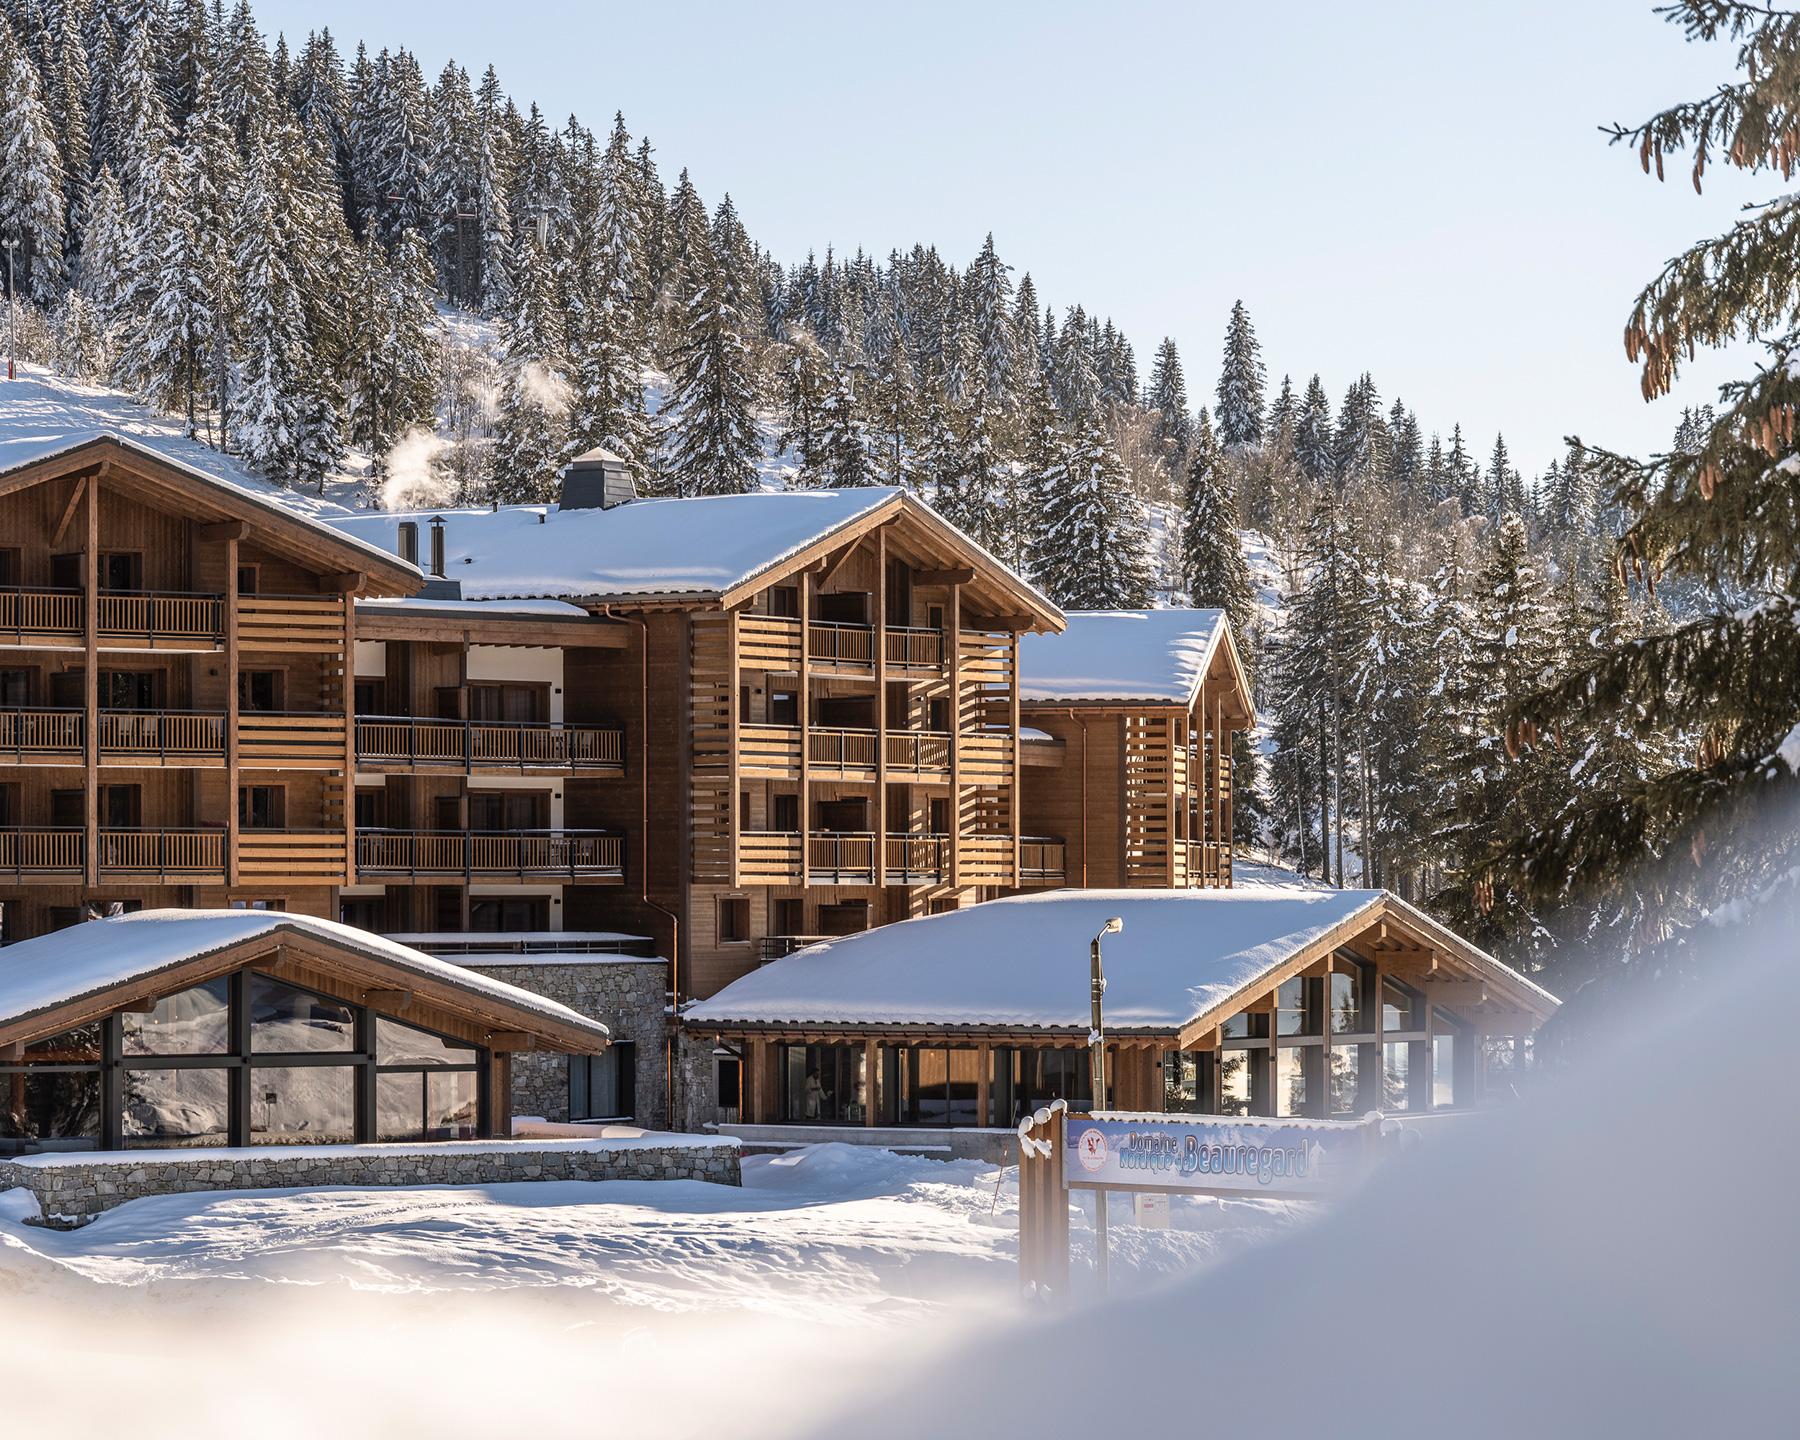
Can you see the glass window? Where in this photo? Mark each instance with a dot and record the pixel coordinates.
(1245, 1026)
(167, 1109)
(49, 1110)
(1290, 1079)
(288, 1020)
(1237, 1089)
(427, 1105)
(72, 1047)
(303, 1105)
(1348, 993)
(1400, 1007)
(191, 1022)
(1443, 1071)
(1396, 1079)
(1345, 1080)
(397, 1044)
(1297, 1005)
(824, 1084)
(1043, 1074)
(603, 1086)
(1181, 1081)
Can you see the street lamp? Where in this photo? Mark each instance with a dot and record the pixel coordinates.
(11, 305)
(1097, 1031)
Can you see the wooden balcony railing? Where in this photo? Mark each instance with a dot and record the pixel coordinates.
(41, 734)
(841, 752)
(769, 857)
(769, 749)
(162, 854)
(769, 642)
(290, 739)
(160, 615)
(917, 859)
(1042, 860)
(913, 648)
(39, 850)
(519, 854)
(985, 860)
(841, 859)
(46, 613)
(292, 855)
(166, 737)
(473, 745)
(918, 752)
(1208, 863)
(846, 647)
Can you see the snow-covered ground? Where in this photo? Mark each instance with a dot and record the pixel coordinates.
(655, 1302)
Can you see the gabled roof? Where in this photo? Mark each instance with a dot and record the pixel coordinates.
(1127, 657)
(47, 421)
(1185, 960)
(55, 981)
(715, 549)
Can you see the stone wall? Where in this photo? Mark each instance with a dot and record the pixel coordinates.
(72, 1190)
(698, 1083)
(629, 996)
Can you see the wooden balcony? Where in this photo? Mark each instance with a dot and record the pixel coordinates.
(403, 742)
(180, 856)
(918, 754)
(1207, 864)
(1042, 861)
(769, 857)
(842, 754)
(42, 852)
(433, 856)
(769, 751)
(917, 859)
(768, 642)
(832, 645)
(125, 619)
(162, 738)
(302, 856)
(914, 649)
(841, 859)
(42, 737)
(290, 740)
(776, 947)
(985, 860)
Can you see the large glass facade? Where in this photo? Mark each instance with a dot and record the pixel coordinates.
(1297, 1006)
(245, 1059)
(1040, 1074)
(824, 1084)
(1240, 1086)
(933, 1085)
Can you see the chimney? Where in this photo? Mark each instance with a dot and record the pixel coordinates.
(409, 541)
(437, 546)
(596, 480)
(436, 587)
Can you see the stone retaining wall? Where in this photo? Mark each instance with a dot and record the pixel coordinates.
(73, 1190)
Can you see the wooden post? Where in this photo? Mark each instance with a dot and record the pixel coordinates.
(984, 1077)
(734, 730)
(954, 617)
(1221, 758)
(805, 699)
(1171, 733)
(1012, 679)
(349, 701)
(233, 864)
(871, 1081)
(881, 726)
(90, 701)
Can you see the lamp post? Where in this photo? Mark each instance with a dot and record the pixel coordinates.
(11, 306)
(1097, 1029)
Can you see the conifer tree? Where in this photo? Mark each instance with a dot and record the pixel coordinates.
(1239, 410)
(1213, 569)
(895, 418)
(31, 175)
(531, 440)
(710, 444)
(843, 434)
(1312, 435)
(989, 293)
(1090, 551)
(1168, 397)
(166, 351)
(268, 415)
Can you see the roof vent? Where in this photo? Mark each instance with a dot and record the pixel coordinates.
(409, 541)
(596, 480)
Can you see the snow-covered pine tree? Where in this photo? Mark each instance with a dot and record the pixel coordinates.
(894, 419)
(709, 441)
(1074, 380)
(1312, 435)
(988, 294)
(1168, 397)
(451, 182)
(843, 435)
(67, 84)
(267, 412)
(391, 370)
(803, 407)
(605, 346)
(167, 348)
(494, 170)
(531, 440)
(1213, 569)
(31, 175)
(1238, 411)
(1360, 446)
(1463, 473)
(1089, 553)
(1503, 491)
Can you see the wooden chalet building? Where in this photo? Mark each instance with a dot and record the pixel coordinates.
(176, 713)
(1269, 998)
(1128, 721)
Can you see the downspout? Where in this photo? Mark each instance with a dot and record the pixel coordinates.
(644, 846)
(1076, 717)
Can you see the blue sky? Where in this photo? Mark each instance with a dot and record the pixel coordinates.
(1416, 189)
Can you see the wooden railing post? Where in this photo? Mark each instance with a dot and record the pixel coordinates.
(349, 700)
(954, 639)
(233, 869)
(91, 685)
(805, 701)
(881, 661)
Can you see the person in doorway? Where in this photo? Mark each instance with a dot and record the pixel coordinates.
(815, 1095)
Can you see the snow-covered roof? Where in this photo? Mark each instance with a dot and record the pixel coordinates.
(420, 605)
(701, 546)
(1156, 657)
(88, 959)
(1023, 961)
(43, 415)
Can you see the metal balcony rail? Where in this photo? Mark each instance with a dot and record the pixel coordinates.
(776, 947)
(911, 647)
(843, 750)
(832, 642)
(515, 745)
(163, 734)
(1042, 860)
(40, 612)
(917, 859)
(918, 752)
(41, 731)
(841, 858)
(42, 850)
(161, 853)
(523, 854)
(161, 614)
